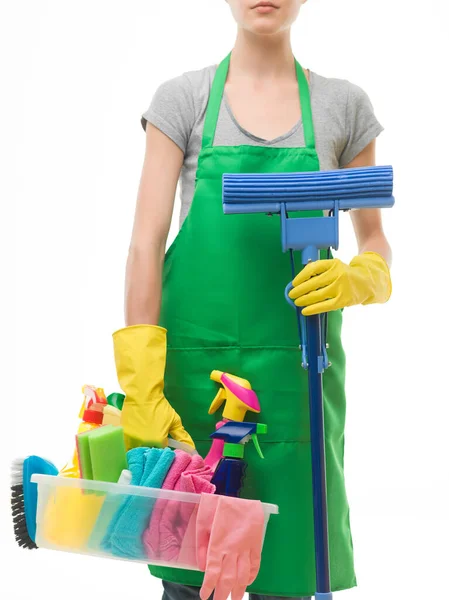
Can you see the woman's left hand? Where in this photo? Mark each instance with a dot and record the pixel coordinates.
(327, 285)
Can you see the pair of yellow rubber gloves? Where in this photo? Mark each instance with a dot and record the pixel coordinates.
(140, 351)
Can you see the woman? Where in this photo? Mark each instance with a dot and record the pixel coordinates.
(219, 290)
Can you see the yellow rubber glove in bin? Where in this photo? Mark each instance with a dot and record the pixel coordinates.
(327, 285)
(147, 417)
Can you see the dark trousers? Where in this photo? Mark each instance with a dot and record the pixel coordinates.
(183, 592)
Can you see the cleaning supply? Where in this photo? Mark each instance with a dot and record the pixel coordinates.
(136, 463)
(116, 400)
(204, 523)
(84, 461)
(238, 398)
(69, 517)
(91, 415)
(236, 394)
(282, 194)
(108, 510)
(124, 536)
(230, 473)
(164, 537)
(102, 454)
(24, 497)
(151, 536)
(147, 416)
(234, 550)
(216, 450)
(112, 416)
(327, 285)
(176, 517)
(94, 402)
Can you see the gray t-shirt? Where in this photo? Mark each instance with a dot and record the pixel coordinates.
(343, 117)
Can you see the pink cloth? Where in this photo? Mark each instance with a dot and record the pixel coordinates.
(164, 536)
(151, 537)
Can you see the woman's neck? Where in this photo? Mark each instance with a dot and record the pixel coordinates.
(262, 56)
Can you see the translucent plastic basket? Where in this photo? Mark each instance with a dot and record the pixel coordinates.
(124, 522)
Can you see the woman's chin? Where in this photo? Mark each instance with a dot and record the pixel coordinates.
(263, 26)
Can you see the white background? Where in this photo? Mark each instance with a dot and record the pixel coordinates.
(75, 78)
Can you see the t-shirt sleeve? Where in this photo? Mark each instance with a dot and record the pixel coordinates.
(361, 124)
(172, 110)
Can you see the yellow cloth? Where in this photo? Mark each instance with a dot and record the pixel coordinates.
(147, 417)
(327, 285)
(69, 518)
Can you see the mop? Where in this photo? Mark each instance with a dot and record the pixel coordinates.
(284, 193)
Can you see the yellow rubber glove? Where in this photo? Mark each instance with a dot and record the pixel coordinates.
(327, 285)
(147, 417)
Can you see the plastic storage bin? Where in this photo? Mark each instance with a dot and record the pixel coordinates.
(119, 521)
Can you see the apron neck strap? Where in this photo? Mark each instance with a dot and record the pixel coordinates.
(306, 107)
(216, 95)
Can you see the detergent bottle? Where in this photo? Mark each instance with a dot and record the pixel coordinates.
(229, 476)
(91, 415)
(238, 398)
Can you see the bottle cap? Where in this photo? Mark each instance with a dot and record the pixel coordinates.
(116, 400)
(93, 416)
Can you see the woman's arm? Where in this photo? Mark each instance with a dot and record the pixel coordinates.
(154, 209)
(367, 222)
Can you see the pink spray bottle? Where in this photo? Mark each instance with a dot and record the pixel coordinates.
(239, 398)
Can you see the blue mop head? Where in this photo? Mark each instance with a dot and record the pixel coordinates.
(367, 187)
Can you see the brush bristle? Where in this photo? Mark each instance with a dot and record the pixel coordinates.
(18, 507)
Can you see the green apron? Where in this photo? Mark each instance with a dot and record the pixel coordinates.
(224, 308)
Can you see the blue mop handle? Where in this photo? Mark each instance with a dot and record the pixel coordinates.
(315, 361)
(318, 450)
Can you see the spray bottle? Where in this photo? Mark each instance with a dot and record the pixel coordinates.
(238, 398)
(91, 415)
(231, 469)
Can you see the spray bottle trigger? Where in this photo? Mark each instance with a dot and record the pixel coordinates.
(257, 445)
(218, 401)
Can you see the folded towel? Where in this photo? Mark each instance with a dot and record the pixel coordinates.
(164, 536)
(151, 537)
(124, 539)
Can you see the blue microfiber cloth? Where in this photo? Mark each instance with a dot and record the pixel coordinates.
(109, 509)
(136, 464)
(124, 537)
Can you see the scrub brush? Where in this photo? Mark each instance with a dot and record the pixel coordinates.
(24, 497)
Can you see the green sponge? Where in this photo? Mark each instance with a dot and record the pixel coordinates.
(82, 446)
(102, 453)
